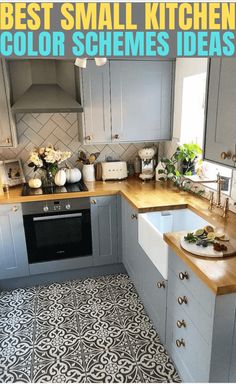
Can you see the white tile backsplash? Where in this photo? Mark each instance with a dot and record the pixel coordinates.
(61, 130)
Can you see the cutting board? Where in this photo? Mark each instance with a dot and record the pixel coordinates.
(209, 252)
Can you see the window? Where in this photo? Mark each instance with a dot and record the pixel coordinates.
(192, 120)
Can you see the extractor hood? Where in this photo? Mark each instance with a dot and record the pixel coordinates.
(46, 98)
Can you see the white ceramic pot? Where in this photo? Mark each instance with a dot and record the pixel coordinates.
(88, 172)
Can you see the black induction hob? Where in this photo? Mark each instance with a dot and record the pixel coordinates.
(68, 188)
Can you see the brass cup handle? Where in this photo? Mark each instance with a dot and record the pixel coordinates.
(93, 201)
(15, 209)
(226, 155)
(134, 216)
(180, 343)
(183, 276)
(182, 300)
(161, 285)
(181, 324)
(116, 136)
(8, 141)
(89, 137)
(234, 158)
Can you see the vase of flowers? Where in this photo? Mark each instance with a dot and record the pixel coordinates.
(47, 159)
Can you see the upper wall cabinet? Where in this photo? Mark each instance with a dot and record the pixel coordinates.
(127, 101)
(95, 93)
(220, 143)
(7, 123)
(141, 94)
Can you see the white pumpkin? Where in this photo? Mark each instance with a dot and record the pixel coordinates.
(35, 183)
(73, 175)
(60, 178)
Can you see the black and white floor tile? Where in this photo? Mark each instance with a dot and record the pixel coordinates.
(92, 330)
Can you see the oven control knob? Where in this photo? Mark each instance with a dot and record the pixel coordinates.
(45, 209)
(68, 206)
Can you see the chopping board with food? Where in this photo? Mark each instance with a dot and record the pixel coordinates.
(209, 242)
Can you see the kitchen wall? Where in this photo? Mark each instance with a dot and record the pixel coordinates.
(61, 130)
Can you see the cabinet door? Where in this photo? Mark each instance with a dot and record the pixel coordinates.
(142, 272)
(13, 253)
(130, 255)
(104, 230)
(7, 133)
(96, 103)
(141, 98)
(221, 111)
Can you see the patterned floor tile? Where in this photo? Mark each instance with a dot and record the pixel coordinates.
(92, 330)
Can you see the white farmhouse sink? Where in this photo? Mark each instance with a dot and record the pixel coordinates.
(152, 226)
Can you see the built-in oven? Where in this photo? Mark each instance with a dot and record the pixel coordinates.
(57, 229)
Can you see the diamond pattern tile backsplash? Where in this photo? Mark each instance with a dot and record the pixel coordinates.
(61, 130)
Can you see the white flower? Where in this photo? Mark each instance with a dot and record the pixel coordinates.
(34, 158)
(41, 150)
(64, 156)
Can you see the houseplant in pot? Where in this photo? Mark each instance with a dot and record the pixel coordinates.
(187, 156)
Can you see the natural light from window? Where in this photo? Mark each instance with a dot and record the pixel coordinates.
(192, 123)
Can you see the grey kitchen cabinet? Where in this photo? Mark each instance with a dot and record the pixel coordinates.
(104, 229)
(13, 253)
(7, 123)
(127, 101)
(220, 136)
(141, 100)
(95, 92)
(200, 326)
(149, 283)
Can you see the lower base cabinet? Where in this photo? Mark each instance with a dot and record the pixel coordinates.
(13, 253)
(200, 327)
(104, 218)
(148, 282)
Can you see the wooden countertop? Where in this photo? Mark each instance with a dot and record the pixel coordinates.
(219, 275)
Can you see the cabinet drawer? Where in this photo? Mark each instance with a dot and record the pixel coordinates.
(188, 332)
(202, 321)
(193, 356)
(192, 283)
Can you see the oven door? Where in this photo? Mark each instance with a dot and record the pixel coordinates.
(58, 235)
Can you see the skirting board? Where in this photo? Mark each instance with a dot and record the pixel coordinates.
(61, 276)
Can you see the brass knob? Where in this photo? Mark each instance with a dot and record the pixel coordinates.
(116, 136)
(134, 216)
(93, 201)
(8, 141)
(15, 209)
(89, 137)
(181, 324)
(226, 155)
(161, 284)
(183, 276)
(182, 300)
(180, 343)
(234, 158)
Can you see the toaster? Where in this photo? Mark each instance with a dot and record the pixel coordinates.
(114, 170)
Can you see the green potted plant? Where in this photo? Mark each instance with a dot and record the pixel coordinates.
(187, 155)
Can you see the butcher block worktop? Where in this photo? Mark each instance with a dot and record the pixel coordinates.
(218, 274)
